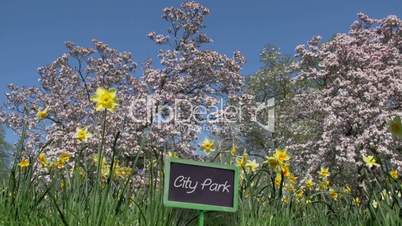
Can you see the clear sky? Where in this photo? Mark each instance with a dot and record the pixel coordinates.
(33, 32)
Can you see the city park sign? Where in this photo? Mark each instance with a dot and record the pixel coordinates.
(201, 186)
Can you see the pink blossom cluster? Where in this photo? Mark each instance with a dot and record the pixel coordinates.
(355, 90)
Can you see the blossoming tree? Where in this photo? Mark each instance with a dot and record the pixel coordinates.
(65, 114)
(355, 88)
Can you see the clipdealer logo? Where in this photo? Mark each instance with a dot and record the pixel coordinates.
(181, 112)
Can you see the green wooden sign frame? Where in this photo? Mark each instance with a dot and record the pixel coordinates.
(198, 206)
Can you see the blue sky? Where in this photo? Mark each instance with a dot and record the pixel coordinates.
(32, 33)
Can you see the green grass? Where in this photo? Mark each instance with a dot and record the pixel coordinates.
(25, 199)
(82, 196)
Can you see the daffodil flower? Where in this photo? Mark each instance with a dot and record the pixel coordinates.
(24, 163)
(172, 154)
(207, 146)
(241, 161)
(370, 161)
(233, 150)
(42, 114)
(309, 184)
(105, 99)
(252, 165)
(42, 159)
(82, 134)
(324, 172)
(356, 201)
(278, 160)
(394, 174)
(333, 194)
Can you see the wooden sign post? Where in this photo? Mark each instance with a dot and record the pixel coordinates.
(202, 186)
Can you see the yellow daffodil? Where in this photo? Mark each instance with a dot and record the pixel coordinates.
(347, 189)
(233, 150)
(42, 114)
(82, 134)
(323, 185)
(122, 172)
(285, 200)
(278, 160)
(396, 127)
(241, 161)
(384, 194)
(292, 179)
(150, 164)
(374, 204)
(95, 159)
(309, 184)
(281, 155)
(299, 194)
(126, 171)
(24, 163)
(370, 161)
(290, 187)
(356, 201)
(394, 174)
(172, 154)
(61, 160)
(324, 172)
(105, 99)
(59, 164)
(308, 201)
(64, 156)
(278, 180)
(285, 170)
(105, 171)
(272, 162)
(252, 165)
(333, 194)
(42, 160)
(242, 176)
(207, 146)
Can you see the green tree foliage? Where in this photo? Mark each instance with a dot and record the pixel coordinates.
(272, 81)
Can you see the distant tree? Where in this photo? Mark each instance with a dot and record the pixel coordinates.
(272, 82)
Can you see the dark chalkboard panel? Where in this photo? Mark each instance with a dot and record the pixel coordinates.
(197, 185)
